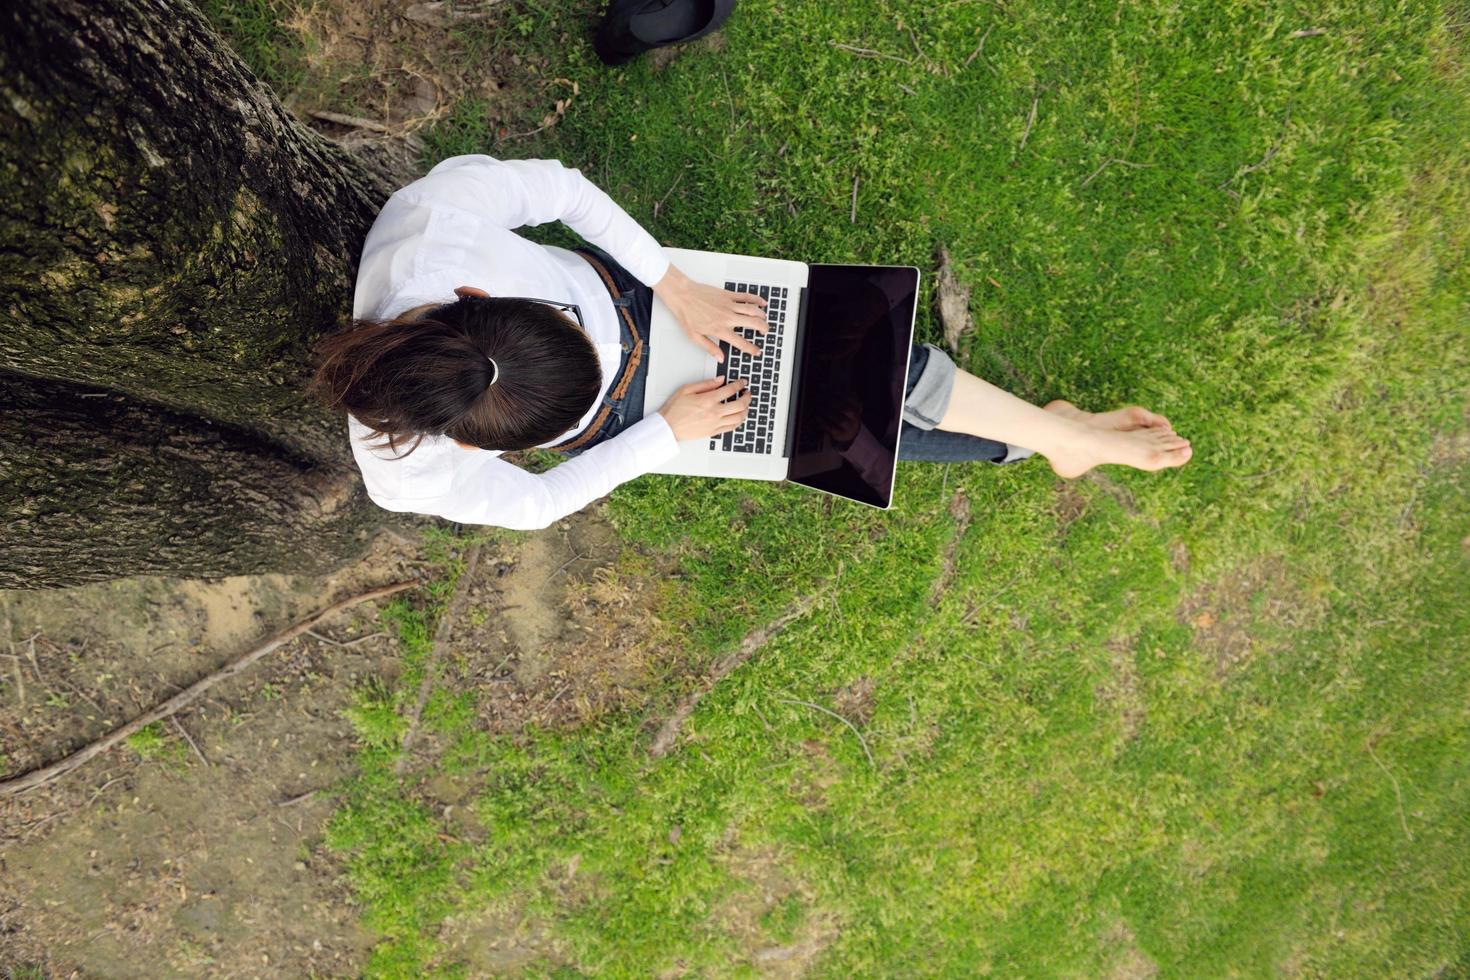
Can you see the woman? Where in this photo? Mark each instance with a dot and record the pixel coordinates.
(470, 341)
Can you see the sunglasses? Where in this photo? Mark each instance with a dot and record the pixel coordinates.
(572, 308)
(562, 307)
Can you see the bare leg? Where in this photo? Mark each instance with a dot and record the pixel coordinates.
(1072, 441)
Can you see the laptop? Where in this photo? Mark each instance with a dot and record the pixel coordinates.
(827, 391)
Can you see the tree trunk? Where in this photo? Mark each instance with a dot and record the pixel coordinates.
(173, 243)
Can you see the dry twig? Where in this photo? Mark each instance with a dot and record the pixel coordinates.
(817, 707)
(39, 777)
(659, 204)
(356, 122)
(31, 656)
(344, 643)
(1398, 793)
(979, 48)
(530, 132)
(1111, 160)
(300, 798)
(734, 124)
(561, 568)
(852, 216)
(1030, 121)
(103, 788)
(20, 680)
(441, 644)
(932, 63)
(178, 727)
(870, 53)
(1271, 153)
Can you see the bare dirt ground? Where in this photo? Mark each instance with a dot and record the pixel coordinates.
(557, 631)
(1248, 612)
(204, 859)
(378, 73)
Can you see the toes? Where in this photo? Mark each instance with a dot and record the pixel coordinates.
(1163, 459)
(1143, 418)
(1167, 439)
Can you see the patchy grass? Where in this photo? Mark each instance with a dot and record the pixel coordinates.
(1203, 723)
(149, 741)
(153, 744)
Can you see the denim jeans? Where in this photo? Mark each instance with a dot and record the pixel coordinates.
(924, 443)
(929, 375)
(638, 299)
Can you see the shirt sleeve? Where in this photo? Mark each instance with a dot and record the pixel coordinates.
(489, 490)
(515, 193)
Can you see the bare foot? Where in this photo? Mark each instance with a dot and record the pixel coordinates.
(1120, 420)
(1148, 448)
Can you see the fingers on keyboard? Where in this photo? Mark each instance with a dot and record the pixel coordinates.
(756, 433)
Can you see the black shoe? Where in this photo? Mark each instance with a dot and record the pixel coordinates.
(631, 27)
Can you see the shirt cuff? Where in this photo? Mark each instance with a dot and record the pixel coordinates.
(651, 439)
(649, 263)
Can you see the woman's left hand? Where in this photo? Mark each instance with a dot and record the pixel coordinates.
(709, 314)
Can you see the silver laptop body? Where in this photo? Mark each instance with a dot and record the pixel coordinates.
(675, 361)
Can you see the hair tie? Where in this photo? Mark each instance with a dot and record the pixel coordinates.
(496, 376)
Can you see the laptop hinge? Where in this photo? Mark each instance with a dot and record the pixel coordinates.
(793, 405)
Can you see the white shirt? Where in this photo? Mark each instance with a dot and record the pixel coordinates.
(453, 227)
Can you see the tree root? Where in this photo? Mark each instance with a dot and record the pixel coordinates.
(668, 733)
(39, 777)
(441, 643)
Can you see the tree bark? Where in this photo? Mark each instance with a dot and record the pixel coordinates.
(172, 242)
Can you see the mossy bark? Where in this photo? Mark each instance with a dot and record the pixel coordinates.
(174, 242)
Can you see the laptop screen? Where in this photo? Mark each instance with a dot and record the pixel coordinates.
(854, 362)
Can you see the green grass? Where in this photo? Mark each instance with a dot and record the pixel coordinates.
(256, 31)
(1216, 724)
(153, 745)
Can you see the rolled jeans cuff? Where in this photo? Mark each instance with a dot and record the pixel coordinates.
(928, 400)
(1015, 453)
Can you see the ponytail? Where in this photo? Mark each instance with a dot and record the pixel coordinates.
(494, 373)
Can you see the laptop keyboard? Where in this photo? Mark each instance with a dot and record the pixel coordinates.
(756, 433)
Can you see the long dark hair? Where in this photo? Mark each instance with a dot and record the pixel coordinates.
(430, 375)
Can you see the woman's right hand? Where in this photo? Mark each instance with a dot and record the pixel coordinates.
(700, 410)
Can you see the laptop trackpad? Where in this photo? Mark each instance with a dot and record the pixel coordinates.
(674, 360)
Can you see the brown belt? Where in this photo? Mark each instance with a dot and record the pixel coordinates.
(630, 365)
